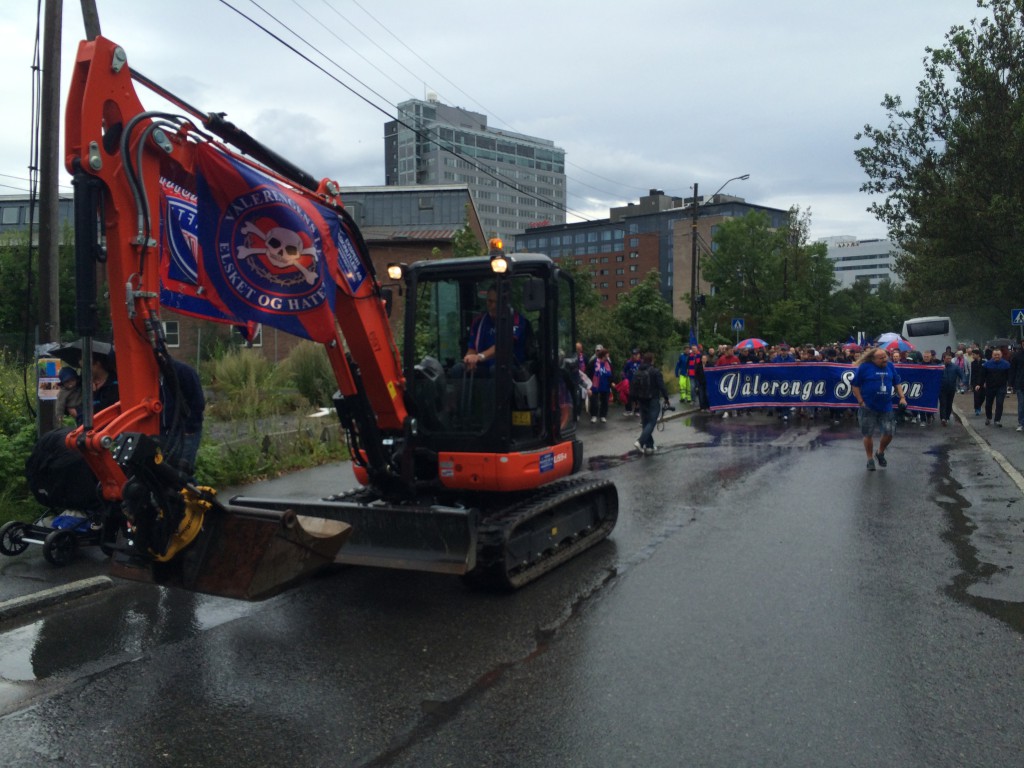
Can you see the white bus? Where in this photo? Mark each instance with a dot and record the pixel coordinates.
(935, 333)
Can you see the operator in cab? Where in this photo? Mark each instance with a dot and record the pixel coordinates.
(483, 336)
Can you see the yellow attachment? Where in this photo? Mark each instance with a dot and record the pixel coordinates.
(191, 524)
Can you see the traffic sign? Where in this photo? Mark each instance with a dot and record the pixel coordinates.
(1017, 316)
(737, 323)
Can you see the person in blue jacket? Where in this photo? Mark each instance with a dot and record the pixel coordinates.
(873, 385)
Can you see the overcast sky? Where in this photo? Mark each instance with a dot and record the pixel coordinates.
(641, 95)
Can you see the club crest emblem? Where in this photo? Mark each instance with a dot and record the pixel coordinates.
(269, 252)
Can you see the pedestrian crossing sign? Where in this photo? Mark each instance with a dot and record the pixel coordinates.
(737, 323)
(1017, 316)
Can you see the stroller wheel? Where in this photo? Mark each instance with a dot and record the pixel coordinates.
(59, 547)
(12, 538)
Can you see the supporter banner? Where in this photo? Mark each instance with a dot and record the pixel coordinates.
(180, 287)
(825, 385)
(268, 254)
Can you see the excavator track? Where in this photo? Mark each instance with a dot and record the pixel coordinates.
(522, 542)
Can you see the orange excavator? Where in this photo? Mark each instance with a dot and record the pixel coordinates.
(463, 441)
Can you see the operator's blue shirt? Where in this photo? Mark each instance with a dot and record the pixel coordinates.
(876, 385)
(483, 335)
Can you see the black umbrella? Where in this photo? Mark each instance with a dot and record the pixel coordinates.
(1000, 343)
(71, 353)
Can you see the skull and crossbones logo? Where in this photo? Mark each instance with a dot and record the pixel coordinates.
(282, 247)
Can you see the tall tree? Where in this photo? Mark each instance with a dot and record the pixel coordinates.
(745, 272)
(950, 166)
(644, 319)
(773, 278)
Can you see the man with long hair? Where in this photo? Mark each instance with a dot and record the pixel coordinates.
(873, 385)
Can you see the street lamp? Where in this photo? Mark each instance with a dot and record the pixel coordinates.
(693, 251)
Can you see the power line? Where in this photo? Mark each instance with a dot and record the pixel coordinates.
(426, 137)
(351, 48)
(28, 180)
(484, 108)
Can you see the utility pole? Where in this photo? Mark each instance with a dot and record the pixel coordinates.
(693, 266)
(91, 17)
(49, 200)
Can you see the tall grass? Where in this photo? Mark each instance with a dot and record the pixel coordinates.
(247, 386)
(310, 373)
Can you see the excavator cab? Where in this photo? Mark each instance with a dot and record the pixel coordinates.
(519, 395)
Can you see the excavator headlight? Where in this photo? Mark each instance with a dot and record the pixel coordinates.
(395, 271)
(499, 264)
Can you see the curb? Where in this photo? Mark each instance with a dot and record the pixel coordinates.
(996, 455)
(19, 606)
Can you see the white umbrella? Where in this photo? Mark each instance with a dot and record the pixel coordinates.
(885, 338)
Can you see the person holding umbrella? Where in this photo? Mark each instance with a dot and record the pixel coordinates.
(873, 384)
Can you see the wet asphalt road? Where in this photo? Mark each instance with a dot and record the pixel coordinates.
(763, 601)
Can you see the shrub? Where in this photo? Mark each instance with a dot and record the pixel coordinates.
(16, 502)
(247, 386)
(310, 373)
(17, 437)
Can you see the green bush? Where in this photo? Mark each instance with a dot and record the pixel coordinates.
(17, 437)
(16, 502)
(231, 464)
(253, 459)
(247, 386)
(310, 373)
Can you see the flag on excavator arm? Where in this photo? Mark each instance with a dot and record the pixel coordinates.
(180, 289)
(266, 252)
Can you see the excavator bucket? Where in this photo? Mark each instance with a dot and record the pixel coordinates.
(245, 554)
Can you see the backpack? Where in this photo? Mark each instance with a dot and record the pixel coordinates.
(59, 477)
(642, 387)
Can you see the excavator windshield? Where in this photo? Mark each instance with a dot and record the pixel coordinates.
(485, 349)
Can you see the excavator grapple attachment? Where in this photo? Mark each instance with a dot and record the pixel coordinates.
(245, 554)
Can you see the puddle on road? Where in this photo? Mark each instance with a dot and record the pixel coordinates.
(96, 633)
(983, 540)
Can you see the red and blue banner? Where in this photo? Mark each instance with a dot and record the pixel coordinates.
(268, 254)
(180, 287)
(804, 385)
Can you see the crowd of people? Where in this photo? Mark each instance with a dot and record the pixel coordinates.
(990, 373)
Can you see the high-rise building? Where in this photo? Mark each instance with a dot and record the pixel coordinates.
(516, 181)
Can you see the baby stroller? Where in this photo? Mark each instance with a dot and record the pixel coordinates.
(76, 516)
